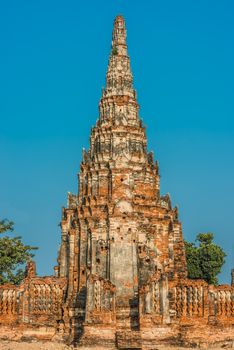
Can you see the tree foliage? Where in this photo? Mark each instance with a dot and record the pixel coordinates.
(13, 255)
(204, 258)
(114, 51)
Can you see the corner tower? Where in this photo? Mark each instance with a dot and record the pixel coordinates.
(118, 233)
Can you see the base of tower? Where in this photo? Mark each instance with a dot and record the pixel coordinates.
(97, 336)
(148, 338)
(158, 336)
(109, 337)
(128, 340)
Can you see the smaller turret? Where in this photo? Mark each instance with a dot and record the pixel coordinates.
(30, 269)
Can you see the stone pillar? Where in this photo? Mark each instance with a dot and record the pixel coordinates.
(56, 271)
(207, 299)
(63, 263)
(71, 261)
(164, 299)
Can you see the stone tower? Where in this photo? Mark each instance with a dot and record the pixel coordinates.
(121, 280)
(118, 232)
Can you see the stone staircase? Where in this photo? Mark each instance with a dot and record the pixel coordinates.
(128, 335)
(128, 339)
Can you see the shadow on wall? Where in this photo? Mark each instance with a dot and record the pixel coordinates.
(78, 321)
(134, 313)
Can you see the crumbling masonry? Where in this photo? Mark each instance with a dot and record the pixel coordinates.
(121, 278)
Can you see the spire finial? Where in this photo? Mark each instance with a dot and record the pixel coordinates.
(119, 32)
(119, 75)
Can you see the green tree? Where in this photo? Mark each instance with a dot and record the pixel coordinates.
(204, 259)
(13, 255)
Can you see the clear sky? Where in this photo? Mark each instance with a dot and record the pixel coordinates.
(53, 59)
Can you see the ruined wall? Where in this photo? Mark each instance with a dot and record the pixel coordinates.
(186, 302)
(9, 304)
(36, 304)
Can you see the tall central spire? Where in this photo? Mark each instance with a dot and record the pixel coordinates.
(118, 104)
(119, 36)
(119, 76)
(119, 234)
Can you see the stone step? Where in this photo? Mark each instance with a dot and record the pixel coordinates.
(127, 319)
(128, 339)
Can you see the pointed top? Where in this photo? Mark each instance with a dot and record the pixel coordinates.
(119, 80)
(119, 19)
(119, 32)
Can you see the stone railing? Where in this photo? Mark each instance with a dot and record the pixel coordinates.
(9, 303)
(42, 299)
(38, 300)
(186, 301)
(221, 303)
(192, 299)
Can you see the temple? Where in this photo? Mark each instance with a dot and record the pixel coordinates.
(121, 278)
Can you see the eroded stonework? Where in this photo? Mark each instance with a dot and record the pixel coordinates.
(121, 277)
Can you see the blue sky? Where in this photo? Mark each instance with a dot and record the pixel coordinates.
(53, 59)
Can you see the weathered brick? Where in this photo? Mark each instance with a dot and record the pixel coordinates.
(121, 277)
